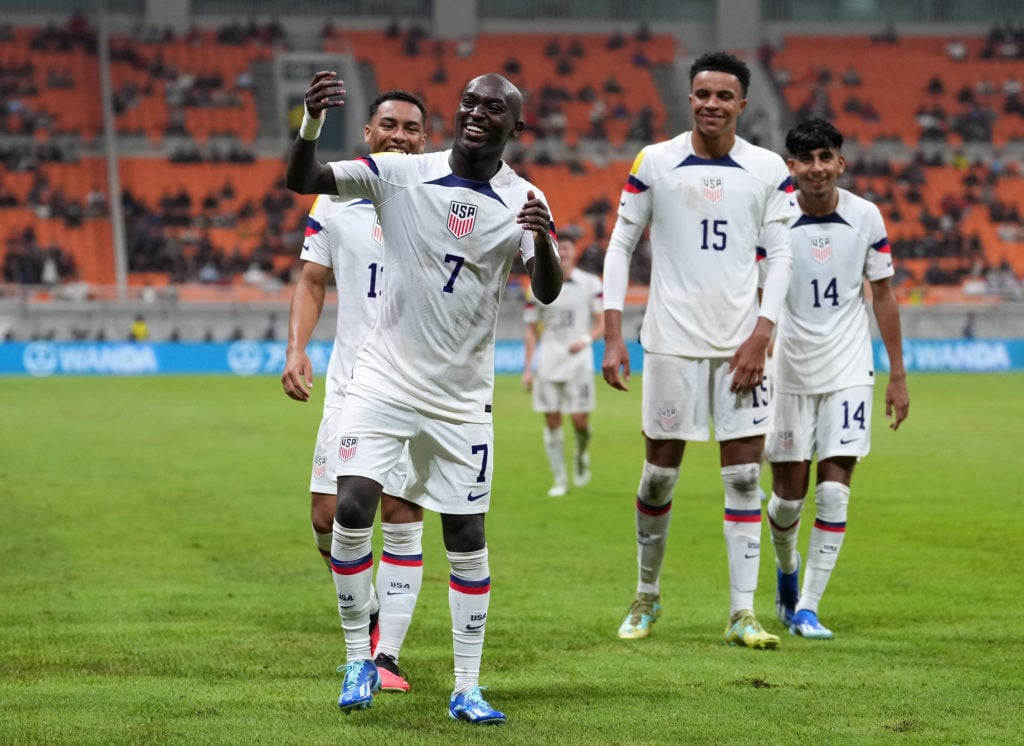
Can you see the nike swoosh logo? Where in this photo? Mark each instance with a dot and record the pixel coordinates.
(471, 497)
(844, 441)
(305, 247)
(622, 203)
(759, 420)
(474, 627)
(397, 593)
(750, 556)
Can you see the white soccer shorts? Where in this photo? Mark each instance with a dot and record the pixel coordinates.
(324, 479)
(450, 465)
(833, 424)
(683, 396)
(571, 397)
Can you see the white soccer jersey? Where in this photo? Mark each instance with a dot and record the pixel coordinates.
(567, 319)
(705, 217)
(450, 246)
(345, 235)
(823, 342)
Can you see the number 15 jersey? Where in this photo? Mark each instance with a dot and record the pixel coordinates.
(705, 217)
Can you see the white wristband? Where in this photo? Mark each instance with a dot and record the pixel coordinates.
(310, 127)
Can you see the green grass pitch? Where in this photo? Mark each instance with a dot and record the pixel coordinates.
(159, 583)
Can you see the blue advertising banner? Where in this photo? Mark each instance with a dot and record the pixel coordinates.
(964, 355)
(245, 358)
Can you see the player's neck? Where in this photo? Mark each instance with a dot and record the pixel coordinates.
(818, 205)
(712, 147)
(475, 169)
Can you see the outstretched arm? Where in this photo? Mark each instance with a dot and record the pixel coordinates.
(306, 174)
(887, 314)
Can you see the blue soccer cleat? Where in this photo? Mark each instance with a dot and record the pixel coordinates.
(644, 612)
(361, 682)
(787, 593)
(472, 707)
(805, 624)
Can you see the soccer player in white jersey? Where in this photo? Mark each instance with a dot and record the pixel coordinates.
(716, 204)
(824, 367)
(344, 237)
(565, 365)
(424, 378)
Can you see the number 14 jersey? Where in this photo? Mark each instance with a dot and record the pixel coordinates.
(823, 342)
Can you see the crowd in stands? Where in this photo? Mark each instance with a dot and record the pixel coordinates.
(949, 219)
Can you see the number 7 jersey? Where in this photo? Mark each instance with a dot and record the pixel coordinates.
(450, 247)
(823, 342)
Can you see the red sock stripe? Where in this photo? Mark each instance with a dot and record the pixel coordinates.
(653, 509)
(837, 528)
(352, 567)
(403, 560)
(743, 516)
(470, 587)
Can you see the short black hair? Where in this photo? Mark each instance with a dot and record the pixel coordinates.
(810, 134)
(397, 95)
(722, 62)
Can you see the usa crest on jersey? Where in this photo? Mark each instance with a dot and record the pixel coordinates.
(821, 248)
(319, 467)
(461, 219)
(714, 189)
(377, 233)
(347, 448)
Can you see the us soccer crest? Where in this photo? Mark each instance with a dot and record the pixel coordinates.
(319, 467)
(378, 234)
(714, 189)
(461, 219)
(668, 417)
(347, 448)
(821, 248)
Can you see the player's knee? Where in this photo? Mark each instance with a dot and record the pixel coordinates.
(402, 538)
(831, 500)
(322, 512)
(741, 479)
(656, 484)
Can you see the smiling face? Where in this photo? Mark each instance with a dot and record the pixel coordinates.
(716, 100)
(816, 172)
(488, 115)
(396, 127)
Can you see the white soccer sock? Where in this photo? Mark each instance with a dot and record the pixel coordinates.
(831, 500)
(469, 595)
(399, 578)
(653, 515)
(742, 527)
(554, 446)
(784, 522)
(352, 568)
(323, 545)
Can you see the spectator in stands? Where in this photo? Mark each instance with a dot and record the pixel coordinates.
(956, 50)
(851, 78)
(139, 329)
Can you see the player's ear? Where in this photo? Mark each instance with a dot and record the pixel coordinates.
(518, 129)
(842, 164)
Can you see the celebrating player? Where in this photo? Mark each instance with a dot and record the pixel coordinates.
(824, 367)
(715, 204)
(565, 365)
(424, 378)
(344, 236)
